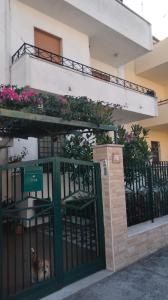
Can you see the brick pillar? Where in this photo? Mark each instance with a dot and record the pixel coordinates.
(115, 223)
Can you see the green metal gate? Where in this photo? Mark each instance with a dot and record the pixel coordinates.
(51, 226)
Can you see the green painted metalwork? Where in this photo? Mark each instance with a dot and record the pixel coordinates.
(51, 237)
(146, 189)
(32, 179)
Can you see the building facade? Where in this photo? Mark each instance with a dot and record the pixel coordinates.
(78, 48)
(151, 70)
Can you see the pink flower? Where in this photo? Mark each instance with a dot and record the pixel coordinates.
(8, 93)
(63, 100)
(129, 137)
(27, 95)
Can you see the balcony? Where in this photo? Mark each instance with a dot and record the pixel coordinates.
(161, 121)
(116, 34)
(154, 65)
(47, 72)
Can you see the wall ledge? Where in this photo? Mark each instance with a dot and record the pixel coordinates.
(147, 226)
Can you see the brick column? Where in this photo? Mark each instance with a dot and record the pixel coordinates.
(115, 223)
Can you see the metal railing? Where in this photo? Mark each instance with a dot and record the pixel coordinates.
(79, 67)
(146, 190)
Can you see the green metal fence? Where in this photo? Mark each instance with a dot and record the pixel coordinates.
(51, 225)
(146, 189)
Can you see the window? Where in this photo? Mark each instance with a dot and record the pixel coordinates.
(48, 147)
(48, 42)
(155, 149)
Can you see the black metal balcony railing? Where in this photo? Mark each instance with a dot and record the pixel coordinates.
(78, 67)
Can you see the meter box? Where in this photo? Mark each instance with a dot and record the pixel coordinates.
(32, 179)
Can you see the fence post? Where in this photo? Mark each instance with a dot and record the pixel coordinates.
(58, 251)
(150, 187)
(114, 206)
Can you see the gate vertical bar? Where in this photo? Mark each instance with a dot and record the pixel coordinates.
(1, 240)
(100, 219)
(150, 187)
(58, 249)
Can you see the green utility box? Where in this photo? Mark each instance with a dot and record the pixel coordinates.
(32, 179)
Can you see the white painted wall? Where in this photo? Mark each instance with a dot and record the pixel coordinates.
(30, 144)
(154, 65)
(119, 18)
(111, 27)
(97, 64)
(108, 68)
(153, 59)
(23, 20)
(4, 41)
(75, 46)
(48, 77)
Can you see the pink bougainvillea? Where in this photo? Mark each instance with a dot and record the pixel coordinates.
(8, 93)
(63, 100)
(15, 96)
(66, 107)
(26, 95)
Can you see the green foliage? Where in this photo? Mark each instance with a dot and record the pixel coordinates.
(78, 146)
(135, 145)
(103, 138)
(135, 150)
(65, 107)
(78, 108)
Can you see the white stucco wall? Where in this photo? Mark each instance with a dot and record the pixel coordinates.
(4, 41)
(30, 144)
(97, 64)
(75, 45)
(45, 76)
(120, 18)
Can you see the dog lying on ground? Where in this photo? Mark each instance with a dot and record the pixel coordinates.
(40, 268)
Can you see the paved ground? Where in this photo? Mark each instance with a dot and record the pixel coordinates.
(145, 280)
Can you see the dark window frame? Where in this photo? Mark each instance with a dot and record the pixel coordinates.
(48, 146)
(155, 150)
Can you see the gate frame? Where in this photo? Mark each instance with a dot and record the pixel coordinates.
(62, 278)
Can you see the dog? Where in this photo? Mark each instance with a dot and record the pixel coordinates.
(40, 268)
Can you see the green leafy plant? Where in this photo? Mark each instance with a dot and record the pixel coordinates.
(78, 146)
(135, 145)
(103, 138)
(65, 107)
